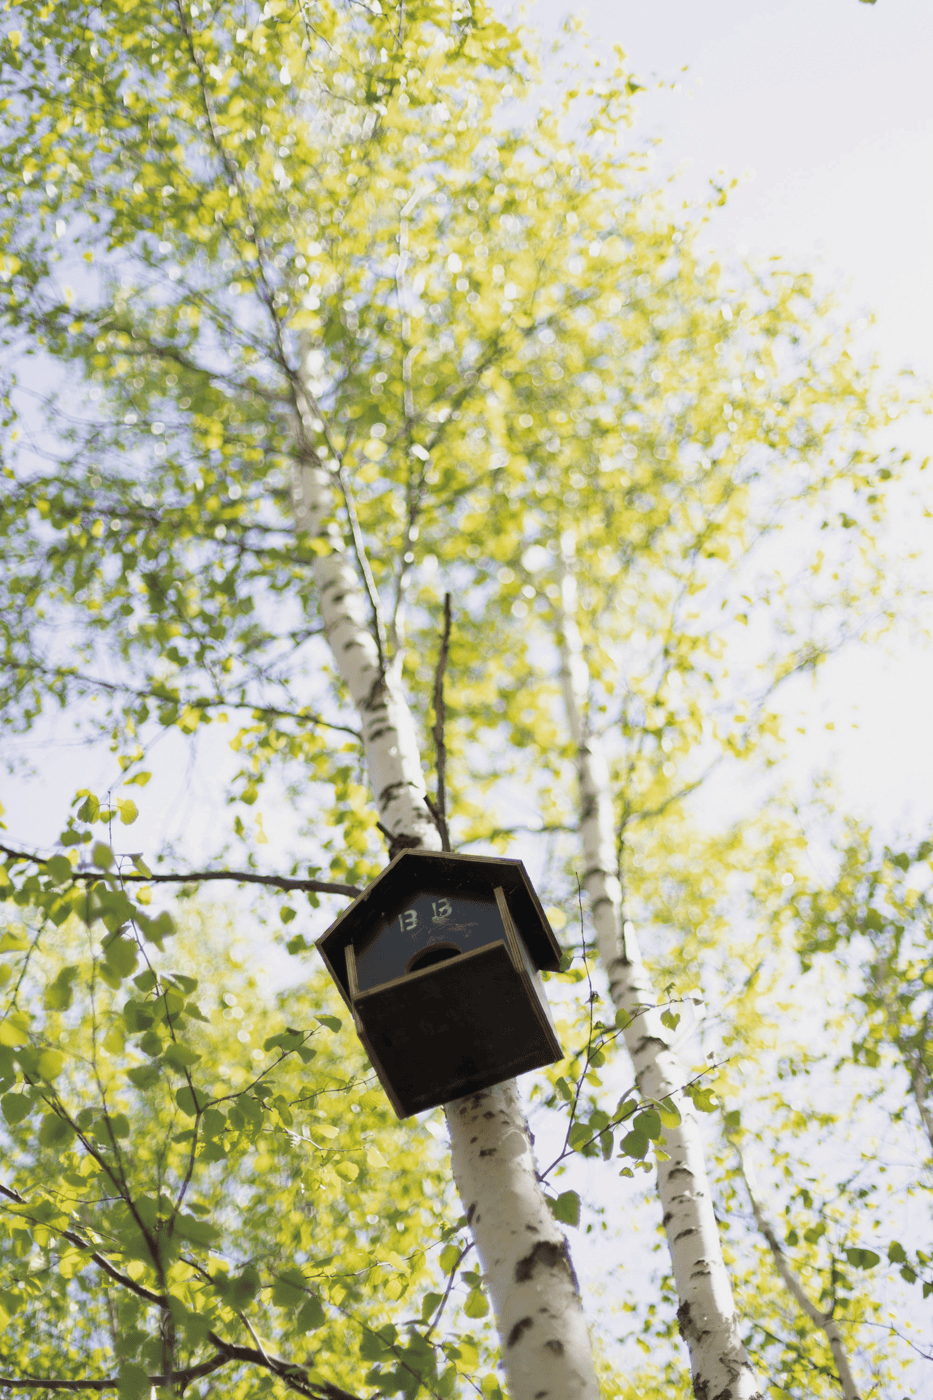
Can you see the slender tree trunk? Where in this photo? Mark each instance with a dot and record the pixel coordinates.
(706, 1315)
(526, 1261)
(918, 1074)
(820, 1319)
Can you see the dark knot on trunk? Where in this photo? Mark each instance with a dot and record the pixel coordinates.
(399, 841)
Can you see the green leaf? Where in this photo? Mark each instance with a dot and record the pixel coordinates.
(188, 1101)
(669, 1113)
(449, 1258)
(701, 1097)
(55, 1131)
(245, 1288)
(90, 807)
(59, 994)
(143, 1076)
(51, 1063)
(311, 1315)
(59, 869)
(476, 1304)
(133, 1382)
(128, 810)
(102, 855)
(429, 1305)
(566, 1207)
(289, 1289)
(200, 1232)
(649, 1123)
(14, 1030)
(15, 1107)
(634, 1144)
(333, 1023)
(121, 956)
(180, 1056)
(862, 1258)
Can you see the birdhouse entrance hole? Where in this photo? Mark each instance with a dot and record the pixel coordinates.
(439, 953)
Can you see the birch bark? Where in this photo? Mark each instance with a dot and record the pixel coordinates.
(706, 1315)
(545, 1346)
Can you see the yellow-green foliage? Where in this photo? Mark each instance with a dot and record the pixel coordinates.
(519, 364)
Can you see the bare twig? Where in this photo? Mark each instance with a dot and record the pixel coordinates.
(194, 877)
(99, 1259)
(362, 559)
(166, 697)
(182, 1378)
(823, 1320)
(450, 1283)
(438, 809)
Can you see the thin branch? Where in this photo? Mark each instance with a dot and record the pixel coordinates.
(182, 1378)
(438, 809)
(362, 558)
(823, 1320)
(450, 1283)
(241, 877)
(99, 1259)
(285, 1370)
(165, 697)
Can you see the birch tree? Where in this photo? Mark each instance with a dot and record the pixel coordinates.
(706, 1315)
(317, 274)
(525, 1257)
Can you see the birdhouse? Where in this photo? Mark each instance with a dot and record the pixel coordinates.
(438, 962)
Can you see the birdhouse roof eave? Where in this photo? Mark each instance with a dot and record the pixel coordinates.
(429, 868)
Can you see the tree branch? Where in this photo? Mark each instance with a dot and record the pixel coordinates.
(362, 558)
(285, 1370)
(183, 1378)
(99, 1259)
(241, 877)
(438, 809)
(820, 1319)
(165, 697)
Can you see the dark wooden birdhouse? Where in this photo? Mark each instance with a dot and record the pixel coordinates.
(439, 963)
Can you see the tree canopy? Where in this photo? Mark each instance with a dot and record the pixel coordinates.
(239, 238)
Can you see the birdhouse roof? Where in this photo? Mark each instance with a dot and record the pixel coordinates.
(413, 871)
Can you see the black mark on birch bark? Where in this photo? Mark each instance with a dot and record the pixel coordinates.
(546, 1254)
(518, 1331)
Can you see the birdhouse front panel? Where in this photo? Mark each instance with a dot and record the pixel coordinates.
(422, 930)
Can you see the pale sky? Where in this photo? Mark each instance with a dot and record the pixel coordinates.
(828, 103)
(823, 109)
(825, 106)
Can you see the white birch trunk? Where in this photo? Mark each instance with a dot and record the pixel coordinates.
(706, 1315)
(545, 1347)
(525, 1256)
(820, 1319)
